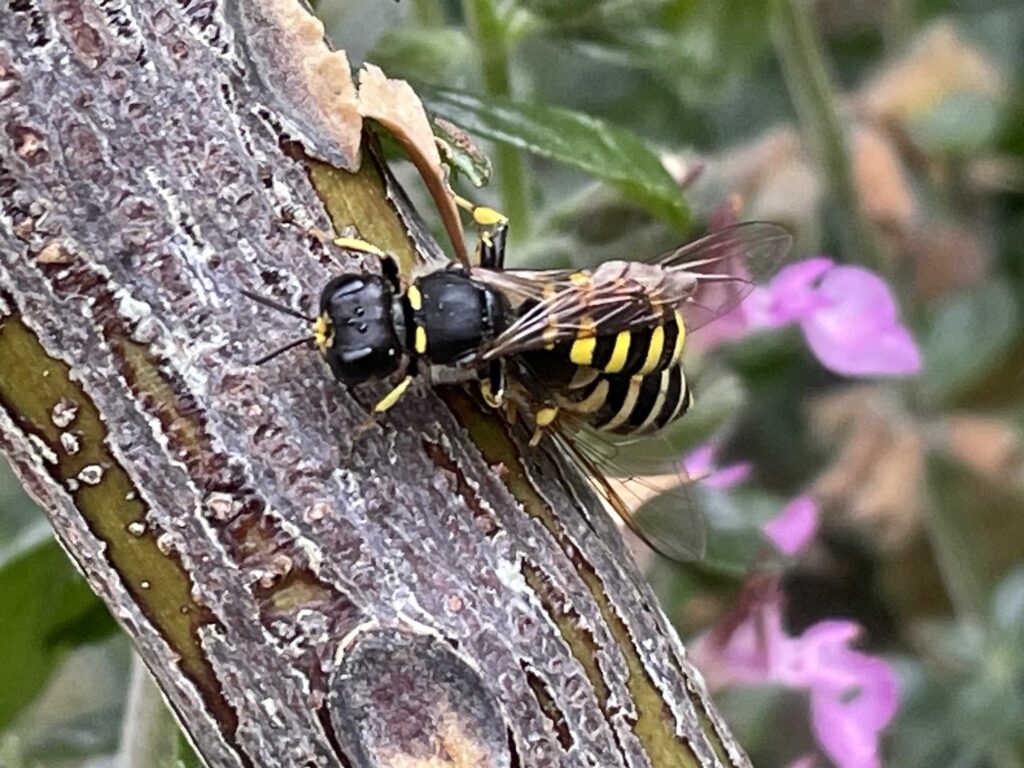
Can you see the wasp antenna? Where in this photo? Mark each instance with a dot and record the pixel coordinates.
(284, 348)
(276, 305)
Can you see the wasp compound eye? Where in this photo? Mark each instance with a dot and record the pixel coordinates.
(360, 341)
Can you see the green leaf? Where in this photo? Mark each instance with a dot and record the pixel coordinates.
(184, 755)
(432, 55)
(461, 154)
(969, 333)
(43, 603)
(610, 153)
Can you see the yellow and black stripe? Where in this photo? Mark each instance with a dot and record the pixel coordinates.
(643, 351)
(632, 405)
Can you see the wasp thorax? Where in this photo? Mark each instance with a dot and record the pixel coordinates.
(355, 330)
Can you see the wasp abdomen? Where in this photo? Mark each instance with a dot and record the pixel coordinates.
(631, 405)
(637, 351)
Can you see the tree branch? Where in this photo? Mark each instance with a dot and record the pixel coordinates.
(422, 602)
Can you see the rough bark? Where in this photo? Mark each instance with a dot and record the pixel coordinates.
(440, 595)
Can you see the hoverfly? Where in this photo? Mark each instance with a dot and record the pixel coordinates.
(594, 351)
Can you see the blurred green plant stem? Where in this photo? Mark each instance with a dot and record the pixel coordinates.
(488, 26)
(810, 86)
(149, 734)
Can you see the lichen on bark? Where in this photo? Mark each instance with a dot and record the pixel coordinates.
(155, 160)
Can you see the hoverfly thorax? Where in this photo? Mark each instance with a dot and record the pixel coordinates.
(356, 329)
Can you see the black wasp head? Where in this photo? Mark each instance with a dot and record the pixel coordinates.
(355, 330)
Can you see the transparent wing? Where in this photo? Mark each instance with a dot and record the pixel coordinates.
(703, 279)
(601, 309)
(661, 509)
(726, 265)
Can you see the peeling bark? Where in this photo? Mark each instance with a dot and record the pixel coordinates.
(442, 596)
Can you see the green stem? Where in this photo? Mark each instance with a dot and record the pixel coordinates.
(955, 542)
(810, 86)
(149, 734)
(488, 29)
(429, 13)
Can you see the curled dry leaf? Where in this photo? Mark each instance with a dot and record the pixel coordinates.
(986, 445)
(771, 174)
(878, 474)
(314, 82)
(940, 63)
(395, 105)
(945, 257)
(881, 183)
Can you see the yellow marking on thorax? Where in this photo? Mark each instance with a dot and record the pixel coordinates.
(420, 340)
(322, 332)
(677, 351)
(415, 298)
(355, 244)
(655, 348)
(619, 353)
(582, 351)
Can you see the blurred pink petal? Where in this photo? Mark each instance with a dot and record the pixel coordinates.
(699, 464)
(729, 475)
(853, 695)
(857, 333)
(791, 295)
(794, 526)
(848, 316)
(807, 761)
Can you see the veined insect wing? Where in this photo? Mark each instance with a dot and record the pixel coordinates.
(660, 508)
(727, 264)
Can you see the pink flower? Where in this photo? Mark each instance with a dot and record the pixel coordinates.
(794, 526)
(699, 464)
(848, 316)
(853, 696)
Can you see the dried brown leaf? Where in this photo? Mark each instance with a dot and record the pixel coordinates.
(395, 105)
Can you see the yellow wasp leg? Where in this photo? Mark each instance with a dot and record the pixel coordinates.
(356, 244)
(492, 399)
(542, 419)
(393, 396)
(382, 405)
(482, 215)
(491, 225)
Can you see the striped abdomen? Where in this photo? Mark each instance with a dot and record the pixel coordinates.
(641, 351)
(629, 405)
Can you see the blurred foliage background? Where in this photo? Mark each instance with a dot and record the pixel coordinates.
(885, 133)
